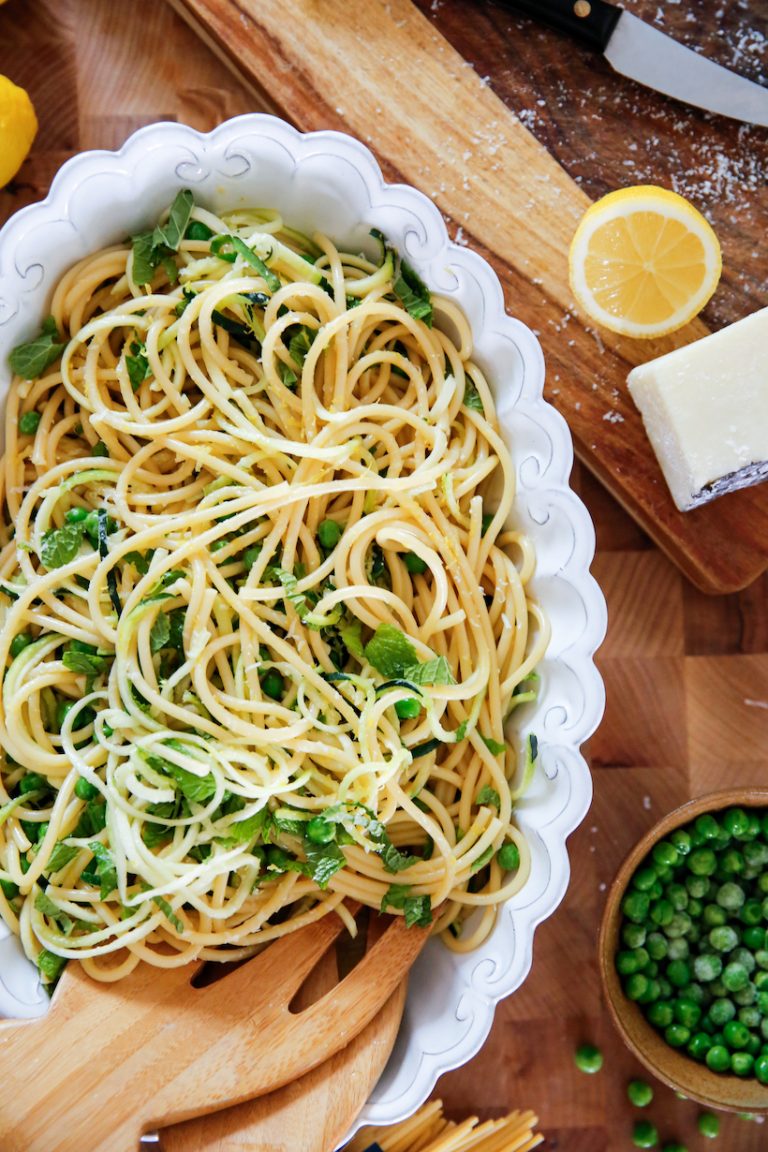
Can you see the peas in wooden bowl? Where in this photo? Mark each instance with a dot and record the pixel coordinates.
(684, 950)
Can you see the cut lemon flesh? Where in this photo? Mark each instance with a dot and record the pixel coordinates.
(643, 261)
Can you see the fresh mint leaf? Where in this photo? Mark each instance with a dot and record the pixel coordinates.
(144, 263)
(324, 860)
(461, 731)
(472, 398)
(61, 545)
(413, 293)
(137, 364)
(418, 911)
(31, 360)
(105, 868)
(493, 745)
(50, 965)
(196, 789)
(62, 855)
(435, 671)
(390, 651)
(489, 796)
(88, 664)
(140, 560)
(172, 232)
(395, 897)
(160, 633)
(394, 860)
(351, 635)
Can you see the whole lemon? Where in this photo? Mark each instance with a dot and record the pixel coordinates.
(18, 126)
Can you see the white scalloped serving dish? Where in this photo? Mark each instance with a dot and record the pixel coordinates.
(330, 182)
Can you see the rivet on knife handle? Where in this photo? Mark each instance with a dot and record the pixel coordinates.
(592, 21)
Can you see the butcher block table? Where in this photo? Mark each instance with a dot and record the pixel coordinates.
(686, 672)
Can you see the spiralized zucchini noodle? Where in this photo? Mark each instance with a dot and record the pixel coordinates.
(262, 618)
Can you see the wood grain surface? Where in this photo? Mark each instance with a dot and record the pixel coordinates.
(445, 130)
(686, 674)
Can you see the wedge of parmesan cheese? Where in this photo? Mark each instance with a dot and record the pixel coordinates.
(705, 409)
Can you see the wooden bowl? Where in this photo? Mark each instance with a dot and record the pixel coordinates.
(670, 1065)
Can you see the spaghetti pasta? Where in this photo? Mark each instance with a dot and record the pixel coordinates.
(261, 631)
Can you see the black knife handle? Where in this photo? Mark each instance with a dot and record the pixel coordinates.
(592, 21)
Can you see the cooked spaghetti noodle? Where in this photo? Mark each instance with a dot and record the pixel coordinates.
(261, 618)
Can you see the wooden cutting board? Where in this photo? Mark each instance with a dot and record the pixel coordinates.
(384, 74)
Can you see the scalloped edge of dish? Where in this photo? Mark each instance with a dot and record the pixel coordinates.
(440, 1032)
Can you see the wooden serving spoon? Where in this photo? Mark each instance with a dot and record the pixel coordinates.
(314, 1113)
(110, 1062)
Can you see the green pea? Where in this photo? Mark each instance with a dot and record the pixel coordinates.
(754, 938)
(29, 422)
(633, 935)
(673, 1146)
(20, 641)
(736, 1034)
(588, 1058)
(687, 1013)
(84, 790)
(698, 886)
(730, 896)
(636, 985)
(320, 831)
(644, 879)
(76, 515)
(640, 1094)
(635, 906)
(732, 863)
(707, 826)
(713, 916)
(698, 1046)
(709, 1124)
(718, 1059)
(737, 823)
(735, 977)
(329, 533)
(32, 782)
(723, 938)
(408, 709)
(99, 449)
(661, 1014)
(272, 684)
(707, 967)
(661, 912)
(217, 545)
(677, 896)
(761, 1069)
(677, 1035)
(665, 855)
(742, 1064)
(657, 945)
(644, 1134)
(702, 862)
(681, 840)
(679, 973)
(508, 857)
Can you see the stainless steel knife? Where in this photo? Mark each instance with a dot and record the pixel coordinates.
(641, 52)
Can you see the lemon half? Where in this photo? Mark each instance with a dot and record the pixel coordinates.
(18, 126)
(643, 261)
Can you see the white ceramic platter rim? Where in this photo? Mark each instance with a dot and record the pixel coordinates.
(331, 182)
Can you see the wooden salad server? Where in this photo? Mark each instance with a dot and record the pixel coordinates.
(312, 1114)
(112, 1061)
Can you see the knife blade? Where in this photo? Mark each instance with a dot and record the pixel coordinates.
(643, 53)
